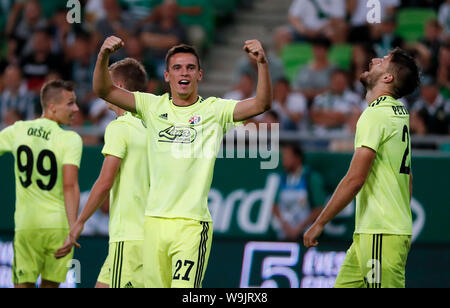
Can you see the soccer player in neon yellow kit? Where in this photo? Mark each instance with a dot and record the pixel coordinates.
(124, 176)
(184, 134)
(47, 159)
(381, 179)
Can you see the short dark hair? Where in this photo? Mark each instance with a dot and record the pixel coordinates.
(132, 73)
(182, 48)
(52, 89)
(405, 71)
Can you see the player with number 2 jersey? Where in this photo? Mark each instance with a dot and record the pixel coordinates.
(380, 178)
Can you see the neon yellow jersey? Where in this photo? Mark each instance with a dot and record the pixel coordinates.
(182, 149)
(126, 138)
(40, 148)
(383, 205)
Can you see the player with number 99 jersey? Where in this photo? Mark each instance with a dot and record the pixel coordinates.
(45, 197)
(40, 148)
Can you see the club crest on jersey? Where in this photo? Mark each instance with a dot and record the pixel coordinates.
(195, 120)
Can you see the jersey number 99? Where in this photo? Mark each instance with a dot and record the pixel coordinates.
(27, 167)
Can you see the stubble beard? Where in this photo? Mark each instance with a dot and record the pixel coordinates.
(364, 79)
(369, 80)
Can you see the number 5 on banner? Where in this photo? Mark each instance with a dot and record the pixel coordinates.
(272, 265)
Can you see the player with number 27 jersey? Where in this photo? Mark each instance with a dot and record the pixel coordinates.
(383, 202)
(40, 148)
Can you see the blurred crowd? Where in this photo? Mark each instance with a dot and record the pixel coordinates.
(325, 98)
(39, 44)
(321, 97)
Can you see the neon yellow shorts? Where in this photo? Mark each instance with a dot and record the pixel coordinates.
(176, 252)
(123, 266)
(375, 261)
(33, 256)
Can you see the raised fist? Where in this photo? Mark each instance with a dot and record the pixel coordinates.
(255, 51)
(111, 45)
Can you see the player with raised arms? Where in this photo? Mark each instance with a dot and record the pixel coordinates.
(181, 128)
(47, 159)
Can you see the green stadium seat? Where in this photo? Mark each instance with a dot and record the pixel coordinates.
(341, 55)
(295, 56)
(411, 22)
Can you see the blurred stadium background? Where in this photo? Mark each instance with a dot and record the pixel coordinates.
(317, 101)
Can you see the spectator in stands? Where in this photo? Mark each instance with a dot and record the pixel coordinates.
(428, 47)
(310, 19)
(160, 36)
(247, 66)
(134, 49)
(444, 17)
(314, 78)
(31, 20)
(10, 117)
(268, 119)
(290, 106)
(243, 90)
(15, 95)
(83, 70)
(300, 198)
(196, 15)
(431, 113)
(331, 111)
(63, 33)
(6, 13)
(359, 11)
(12, 52)
(443, 74)
(100, 116)
(384, 37)
(361, 56)
(93, 12)
(41, 60)
(139, 9)
(116, 22)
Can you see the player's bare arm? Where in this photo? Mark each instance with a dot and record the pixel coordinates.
(71, 191)
(262, 102)
(346, 191)
(99, 193)
(102, 83)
